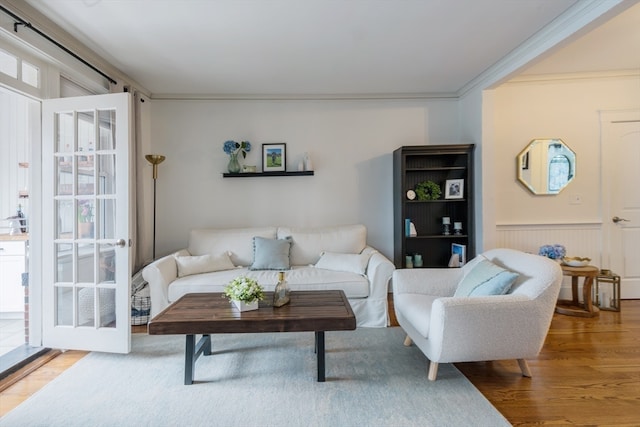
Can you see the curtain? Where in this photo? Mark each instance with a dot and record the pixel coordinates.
(140, 198)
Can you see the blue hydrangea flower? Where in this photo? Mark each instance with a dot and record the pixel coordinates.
(556, 251)
(233, 147)
(230, 147)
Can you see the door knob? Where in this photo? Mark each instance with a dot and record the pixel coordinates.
(617, 219)
(122, 243)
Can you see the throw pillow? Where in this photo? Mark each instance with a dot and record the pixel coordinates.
(270, 254)
(188, 265)
(352, 263)
(484, 279)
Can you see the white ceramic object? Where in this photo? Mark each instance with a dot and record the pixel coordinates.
(245, 306)
(576, 261)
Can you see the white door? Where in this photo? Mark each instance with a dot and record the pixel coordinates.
(621, 206)
(85, 196)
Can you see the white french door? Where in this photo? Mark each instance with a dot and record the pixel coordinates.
(85, 195)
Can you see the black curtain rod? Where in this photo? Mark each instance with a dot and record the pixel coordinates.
(40, 33)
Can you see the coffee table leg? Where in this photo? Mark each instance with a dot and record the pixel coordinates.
(320, 354)
(189, 359)
(192, 352)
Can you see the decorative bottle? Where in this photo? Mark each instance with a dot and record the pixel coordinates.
(282, 291)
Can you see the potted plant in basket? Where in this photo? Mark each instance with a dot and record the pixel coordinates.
(244, 292)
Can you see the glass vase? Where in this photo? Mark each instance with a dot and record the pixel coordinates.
(234, 165)
(281, 294)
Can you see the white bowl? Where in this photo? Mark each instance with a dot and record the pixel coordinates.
(576, 261)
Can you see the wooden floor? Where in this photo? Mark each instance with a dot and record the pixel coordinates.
(588, 374)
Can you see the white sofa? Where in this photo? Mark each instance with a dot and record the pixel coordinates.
(450, 329)
(348, 264)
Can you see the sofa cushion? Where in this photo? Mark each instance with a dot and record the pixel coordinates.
(309, 243)
(188, 265)
(238, 241)
(299, 279)
(354, 263)
(270, 254)
(486, 278)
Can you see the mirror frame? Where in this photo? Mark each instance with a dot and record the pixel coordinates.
(527, 162)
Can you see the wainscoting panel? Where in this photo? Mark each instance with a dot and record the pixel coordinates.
(583, 240)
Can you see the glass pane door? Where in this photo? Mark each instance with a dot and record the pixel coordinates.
(86, 289)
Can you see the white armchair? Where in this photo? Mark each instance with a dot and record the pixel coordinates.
(450, 329)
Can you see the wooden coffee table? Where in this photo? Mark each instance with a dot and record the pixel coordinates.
(209, 313)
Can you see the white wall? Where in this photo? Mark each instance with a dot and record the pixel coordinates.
(471, 124)
(566, 109)
(350, 144)
(16, 136)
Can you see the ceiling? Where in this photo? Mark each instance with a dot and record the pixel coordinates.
(243, 48)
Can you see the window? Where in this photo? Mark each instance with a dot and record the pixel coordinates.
(559, 172)
(30, 74)
(8, 64)
(18, 69)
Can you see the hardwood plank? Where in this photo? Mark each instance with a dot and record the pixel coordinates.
(588, 373)
(20, 391)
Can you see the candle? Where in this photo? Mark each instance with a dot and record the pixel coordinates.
(457, 228)
(446, 220)
(408, 261)
(604, 301)
(417, 260)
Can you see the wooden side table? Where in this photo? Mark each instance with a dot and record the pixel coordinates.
(573, 307)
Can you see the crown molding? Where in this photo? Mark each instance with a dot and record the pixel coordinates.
(304, 97)
(590, 75)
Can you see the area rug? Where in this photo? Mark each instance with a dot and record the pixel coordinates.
(260, 380)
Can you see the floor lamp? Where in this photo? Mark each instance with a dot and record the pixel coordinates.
(155, 160)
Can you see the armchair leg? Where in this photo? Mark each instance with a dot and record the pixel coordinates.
(524, 367)
(433, 371)
(407, 341)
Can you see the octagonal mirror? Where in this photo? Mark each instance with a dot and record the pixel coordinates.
(546, 166)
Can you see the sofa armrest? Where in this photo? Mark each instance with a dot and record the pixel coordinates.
(428, 281)
(379, 272)
(160, 274)
(487, 328)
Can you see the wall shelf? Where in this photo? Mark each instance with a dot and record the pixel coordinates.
(262, 174)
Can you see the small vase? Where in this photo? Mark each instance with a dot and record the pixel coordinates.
(234, 165)
(246, 306)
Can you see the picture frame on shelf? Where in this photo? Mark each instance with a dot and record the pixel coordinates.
(461, 252)
(274, 157)
(454, 189)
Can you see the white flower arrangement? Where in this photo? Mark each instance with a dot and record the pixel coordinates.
(244, 289)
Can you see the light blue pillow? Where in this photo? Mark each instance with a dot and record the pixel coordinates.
(484, 279)
(271, 254)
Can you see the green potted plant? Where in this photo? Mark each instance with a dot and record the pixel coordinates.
(244, 292)
(428, 190)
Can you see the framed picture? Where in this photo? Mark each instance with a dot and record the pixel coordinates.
(274, 157)
(461, 252)
(454, 189)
